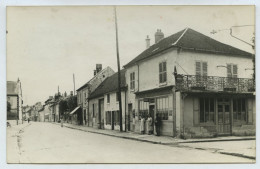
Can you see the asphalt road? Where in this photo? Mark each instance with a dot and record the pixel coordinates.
(50, 143)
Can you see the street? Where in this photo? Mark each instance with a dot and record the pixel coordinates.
(50, 143)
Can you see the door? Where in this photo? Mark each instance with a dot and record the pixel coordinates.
(224, 117)
(130, 116)
(151, 111)
(113, 121)
(100, 113)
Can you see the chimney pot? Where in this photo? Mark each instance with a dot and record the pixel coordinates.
(158, 35)
(147, 42)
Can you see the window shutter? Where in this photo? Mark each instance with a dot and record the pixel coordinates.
(235, 71)
(164, 66)
(229, 73)
(198, 68)
(196, 111)
(205, 68)
(160, 67)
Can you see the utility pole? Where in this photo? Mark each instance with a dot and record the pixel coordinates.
(119, 76)
(74, 83)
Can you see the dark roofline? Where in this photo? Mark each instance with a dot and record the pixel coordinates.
(123, 89)
(175, 44)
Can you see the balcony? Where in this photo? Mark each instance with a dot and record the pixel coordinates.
(214, 83)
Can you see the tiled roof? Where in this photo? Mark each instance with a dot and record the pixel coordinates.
(109, 85)
(192, 40)
(12, 88)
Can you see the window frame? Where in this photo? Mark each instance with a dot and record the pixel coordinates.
(108, 98)
(231, 74)
(163, 73)
(207, 112)
(132, 81)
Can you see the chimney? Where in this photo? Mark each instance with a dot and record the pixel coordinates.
(71, 93)
(65, 94)
(147, 42)
(158, 35)
(50, 97)
(98, 67)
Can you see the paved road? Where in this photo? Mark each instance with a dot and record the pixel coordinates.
(50, 143)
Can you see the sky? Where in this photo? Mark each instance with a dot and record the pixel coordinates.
(46, 45)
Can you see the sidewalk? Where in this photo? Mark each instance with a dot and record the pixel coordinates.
(13, 141)
(166, 140)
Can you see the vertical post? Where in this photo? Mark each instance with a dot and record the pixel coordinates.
(74, 83)
(119, 76)
(231, 115)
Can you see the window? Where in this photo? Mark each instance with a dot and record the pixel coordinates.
(232, 70)
(239, 110)
(108, 98)
(132, 80)
(207, 110)
(162, 72)
(201, 68)
(108, 117)
(162, 109)
(143, 109)
(117, 96)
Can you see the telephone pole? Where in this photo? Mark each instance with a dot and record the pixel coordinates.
(74, 83)
(119, 76)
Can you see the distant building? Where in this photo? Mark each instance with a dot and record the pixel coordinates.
(14, 102)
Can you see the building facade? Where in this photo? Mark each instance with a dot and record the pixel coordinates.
(104, 104)
(14, 102)
(84, 91)
(198, 86)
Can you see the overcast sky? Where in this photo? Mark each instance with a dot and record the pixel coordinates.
(46, 45)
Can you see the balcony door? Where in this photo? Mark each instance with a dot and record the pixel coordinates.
(224, 116)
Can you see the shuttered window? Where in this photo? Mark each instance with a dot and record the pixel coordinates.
(132, 80)
(232, 70)
(201, 68)
(162, 72)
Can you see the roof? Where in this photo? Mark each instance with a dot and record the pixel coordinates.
(192, 40)
(109, 85)
(86, 84)
(12, 88)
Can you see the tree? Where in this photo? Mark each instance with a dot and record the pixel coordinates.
(63, 107)
(72, 103)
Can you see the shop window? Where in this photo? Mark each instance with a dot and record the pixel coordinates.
(239, 110)
(162, 109)
(143, 109)
(162, 72)
(207, 110)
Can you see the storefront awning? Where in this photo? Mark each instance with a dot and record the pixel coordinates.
(74, 110)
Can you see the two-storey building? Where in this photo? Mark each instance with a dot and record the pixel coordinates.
(104, 104)
(213, 93)
(84, 91)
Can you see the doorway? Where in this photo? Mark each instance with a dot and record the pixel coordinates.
(130, 116)
(100, 113)
(113, 121)
(224, 117)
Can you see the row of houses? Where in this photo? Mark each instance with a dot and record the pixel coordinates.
(198, 86)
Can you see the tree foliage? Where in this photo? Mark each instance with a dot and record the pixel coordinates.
(72, 103)
(63, 107)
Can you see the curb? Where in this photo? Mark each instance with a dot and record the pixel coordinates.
(238, 155)
(124, 137)
(156, 142)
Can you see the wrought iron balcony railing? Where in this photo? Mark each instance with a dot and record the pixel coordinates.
(214, 83)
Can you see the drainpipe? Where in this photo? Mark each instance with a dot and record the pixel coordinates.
(125, 110)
